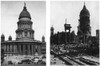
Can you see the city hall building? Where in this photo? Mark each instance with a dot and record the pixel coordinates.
(25, 44)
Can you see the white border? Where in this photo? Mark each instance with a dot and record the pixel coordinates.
(48, 33)
(47, 24)
(0, 33)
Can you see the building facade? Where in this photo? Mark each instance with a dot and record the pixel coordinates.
(25, 44)
(84, 28)
(83, 34)
(64, 37)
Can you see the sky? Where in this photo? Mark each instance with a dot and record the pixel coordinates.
(10, 11)
(60, 10)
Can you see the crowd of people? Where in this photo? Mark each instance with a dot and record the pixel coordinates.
(24, 59)
(76, 49)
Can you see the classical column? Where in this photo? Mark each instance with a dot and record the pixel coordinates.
(22, 34)
(28, 49)
(6, 49)
(20, 49)
(23, 49)
(28, 34)
(36, 50)
(33, 35)
(39, 49)
(32, 49)
(16, 48)
(16, 35)
(9, 48)
(12, 48)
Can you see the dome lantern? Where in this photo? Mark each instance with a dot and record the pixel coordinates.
(2, 37)
(24, 13)
(43, 39)
(52, 28)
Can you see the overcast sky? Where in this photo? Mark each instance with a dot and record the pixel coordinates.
(71, 10)
(10, 13)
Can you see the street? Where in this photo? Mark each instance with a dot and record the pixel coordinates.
(65, 57)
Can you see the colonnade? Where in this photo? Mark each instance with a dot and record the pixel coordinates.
(23, 49)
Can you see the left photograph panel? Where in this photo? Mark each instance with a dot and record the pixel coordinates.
(23, 27)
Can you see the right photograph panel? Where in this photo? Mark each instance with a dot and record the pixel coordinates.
(74, 37)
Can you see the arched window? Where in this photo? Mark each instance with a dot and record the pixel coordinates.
(30, 34)
(25, 34)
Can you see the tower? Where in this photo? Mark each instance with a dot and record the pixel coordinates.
(67, 26)
(52, 35)
(43, 39)
(52, 31)
(10, 38)
(97, 33)
(2, 38)
(84, 29)
(67, 34)
(24, 31)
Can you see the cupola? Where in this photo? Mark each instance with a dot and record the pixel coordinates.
(24, 13)
(84, 11)
(2, 37)
(10, 38)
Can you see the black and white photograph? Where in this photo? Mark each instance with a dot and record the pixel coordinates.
(49, 32)
(74, 33)
(23, 32)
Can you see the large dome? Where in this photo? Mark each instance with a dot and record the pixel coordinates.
(52, 28)
(24, 13)
(2, 36)
(84, 12)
